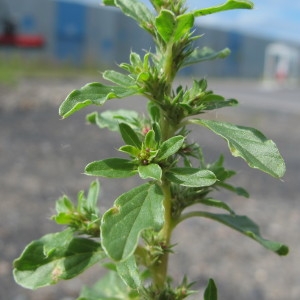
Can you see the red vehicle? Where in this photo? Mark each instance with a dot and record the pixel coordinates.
(10, 37)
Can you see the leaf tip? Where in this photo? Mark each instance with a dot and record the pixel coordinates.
(283, 250)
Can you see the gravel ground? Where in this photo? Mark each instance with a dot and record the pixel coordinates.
(42, 157)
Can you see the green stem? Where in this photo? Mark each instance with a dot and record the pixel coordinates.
(168, 65)
(160, 269)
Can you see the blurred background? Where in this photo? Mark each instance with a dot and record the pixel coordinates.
(49, 48)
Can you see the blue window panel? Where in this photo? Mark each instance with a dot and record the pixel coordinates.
(70, 31)
(28, 24)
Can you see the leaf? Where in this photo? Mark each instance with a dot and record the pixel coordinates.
(165, 24)
(129, 136)
(150, 140)
(119, 78)
(152, 171)
(92, 197)
(170, 147)
(111, 118)
(109, 2)
(228, 5)
(138, 209)
(64, 204)
(171, 27)
(154, 111)
(130, 150)
(110, 287)
(211, 292)
(247, 227)
(111, 168)
(191, 177)
(129, 272)
(184, 24)
(237, 190)
(93, 93)
(216, 203)
(136, 10)
(55, 257)
(249, 144)
(204, 54)
(210, 104)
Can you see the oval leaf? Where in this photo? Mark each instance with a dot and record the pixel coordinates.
(136, 10)
(55, 257)
(191, 177)
(111, 168)
(119, 78)
(211, 292)
(246, 226)
(152, 171)
(165, 24)
(249, 144)
(129, 272)
(92, 93)
(170, 147)
(228, 5)
(204, 54)
(111, 287)
(111, 118)
(134, 211)
(184, 24)
(129, 136)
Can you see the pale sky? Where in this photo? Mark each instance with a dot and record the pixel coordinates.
(279, 19)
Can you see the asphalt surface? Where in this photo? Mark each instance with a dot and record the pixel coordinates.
(43, 157)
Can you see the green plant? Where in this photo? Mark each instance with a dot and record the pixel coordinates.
(133, 238)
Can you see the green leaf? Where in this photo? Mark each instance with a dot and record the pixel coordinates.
(191, 177)
(119, 78)
(92, 93)
(111, 118)
(110, 287)
(64, 205)
(111, 168)
(170, 147)
(216, 203)
(165, 24)
(213, 102)
(237, 190)
(228, 5)
(171, 27)
(152, 171)
(130, 150)
(129, 272)
(249, 144)
(246, 226)
(137, 11)
(154, 111)
(157, 130)
(129, 136)
(184, 25)
(138, 209)
(150, 140)
(55, 257)
(204, 54)
(109, 2)
(211, 292)
(92, 197)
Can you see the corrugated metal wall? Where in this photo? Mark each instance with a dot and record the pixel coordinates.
(101, 36)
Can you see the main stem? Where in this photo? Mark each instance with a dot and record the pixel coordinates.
(160, 269)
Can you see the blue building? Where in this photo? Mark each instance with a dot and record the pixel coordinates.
(81, 33)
